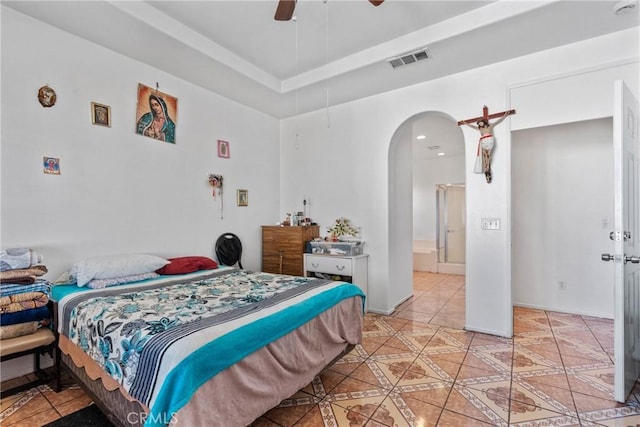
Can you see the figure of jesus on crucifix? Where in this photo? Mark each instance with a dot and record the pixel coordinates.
(487, 140)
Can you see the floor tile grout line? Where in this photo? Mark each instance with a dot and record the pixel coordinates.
(597, 340)
(444, 404)
(55, 408)
(513, 353)
(564, 368)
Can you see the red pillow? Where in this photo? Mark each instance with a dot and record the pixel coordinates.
(187, 264)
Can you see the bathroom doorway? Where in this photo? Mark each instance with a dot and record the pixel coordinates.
(439, 205)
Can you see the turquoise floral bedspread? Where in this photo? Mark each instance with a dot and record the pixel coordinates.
(129, 333)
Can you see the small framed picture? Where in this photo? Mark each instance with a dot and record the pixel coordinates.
(100, 114)
(223, 149)
(242, 197)
(51, 165)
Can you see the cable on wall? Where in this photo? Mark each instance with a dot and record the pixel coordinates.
(327, 63)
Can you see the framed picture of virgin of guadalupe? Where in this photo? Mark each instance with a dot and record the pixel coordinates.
(156, 114)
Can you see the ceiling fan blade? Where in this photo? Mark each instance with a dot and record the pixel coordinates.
(284, 11)
(376, 2)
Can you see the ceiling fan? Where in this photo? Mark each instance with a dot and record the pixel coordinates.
(284, 11)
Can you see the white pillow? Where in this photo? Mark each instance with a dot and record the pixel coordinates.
(113, 266)
(104, 283)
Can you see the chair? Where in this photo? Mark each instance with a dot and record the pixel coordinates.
(229, 250)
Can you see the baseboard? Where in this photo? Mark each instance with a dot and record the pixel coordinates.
(396, 305)
(376, 311)
(487, 331)
(558, 310)
(450, 268)
(389, 312)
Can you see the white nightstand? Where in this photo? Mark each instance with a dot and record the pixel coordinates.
(352, 269)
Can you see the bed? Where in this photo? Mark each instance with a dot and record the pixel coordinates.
(215, 347)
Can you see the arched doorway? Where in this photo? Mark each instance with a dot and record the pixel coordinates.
(425, 153)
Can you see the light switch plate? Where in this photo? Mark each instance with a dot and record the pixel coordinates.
(490, 223)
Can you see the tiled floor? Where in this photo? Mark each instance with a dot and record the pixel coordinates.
(41, 405)
(438, 299)
(419, 368)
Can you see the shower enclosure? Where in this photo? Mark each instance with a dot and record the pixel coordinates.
(451, 226)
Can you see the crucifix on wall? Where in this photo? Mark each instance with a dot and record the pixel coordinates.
(487, 140)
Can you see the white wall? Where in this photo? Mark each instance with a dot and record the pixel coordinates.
(562, 214)
(119, 191)
(345, 167)
(400, 195)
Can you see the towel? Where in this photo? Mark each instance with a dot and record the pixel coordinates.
(12, 259)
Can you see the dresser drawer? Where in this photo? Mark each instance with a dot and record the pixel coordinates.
(329, 265)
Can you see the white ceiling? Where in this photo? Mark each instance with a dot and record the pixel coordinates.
(441, 135)
(334, 52)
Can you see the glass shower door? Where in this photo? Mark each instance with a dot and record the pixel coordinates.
(450, 201)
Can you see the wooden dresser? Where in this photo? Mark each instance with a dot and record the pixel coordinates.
(283, 248)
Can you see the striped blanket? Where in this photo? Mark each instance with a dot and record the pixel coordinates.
(162, 339)
(40, 285)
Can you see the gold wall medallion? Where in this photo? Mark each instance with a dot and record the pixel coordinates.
(46, 96)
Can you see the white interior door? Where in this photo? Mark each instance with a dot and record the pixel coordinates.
(626, 147)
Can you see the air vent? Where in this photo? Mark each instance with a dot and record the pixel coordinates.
(396, 62)
(433, 147)
(409, 58)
